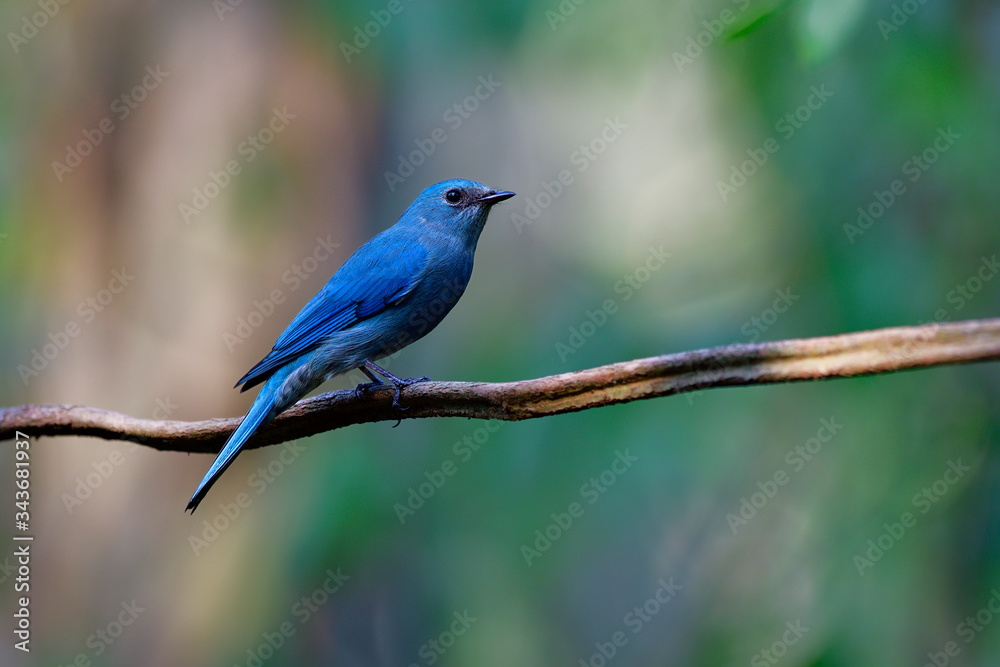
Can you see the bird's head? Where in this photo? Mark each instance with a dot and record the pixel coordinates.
(457, 206)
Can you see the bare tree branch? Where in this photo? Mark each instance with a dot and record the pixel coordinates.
(848, 355)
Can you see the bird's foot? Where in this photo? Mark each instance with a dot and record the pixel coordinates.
(402, 383)
(399, 383)
(365, 388)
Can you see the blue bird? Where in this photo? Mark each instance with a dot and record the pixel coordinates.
(393, 291)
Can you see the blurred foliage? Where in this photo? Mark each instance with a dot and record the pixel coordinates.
(701, 91)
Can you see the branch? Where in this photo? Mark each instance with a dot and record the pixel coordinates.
(848, 355)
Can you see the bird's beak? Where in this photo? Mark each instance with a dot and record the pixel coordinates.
(494, 197)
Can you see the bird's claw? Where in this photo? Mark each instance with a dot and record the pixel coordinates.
(395, 401)
(401, 384)
(369, 368)
(366, 387)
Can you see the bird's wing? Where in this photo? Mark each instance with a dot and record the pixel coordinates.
(373, 278)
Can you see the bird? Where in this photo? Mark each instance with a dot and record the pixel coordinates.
(391, 292)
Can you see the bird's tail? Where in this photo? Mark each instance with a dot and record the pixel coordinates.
(261, 412)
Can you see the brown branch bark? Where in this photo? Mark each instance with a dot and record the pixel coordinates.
(848, 355)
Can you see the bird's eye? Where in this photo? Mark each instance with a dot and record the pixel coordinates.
(453, 196)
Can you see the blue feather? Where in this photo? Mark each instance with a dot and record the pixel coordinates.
(357, 291)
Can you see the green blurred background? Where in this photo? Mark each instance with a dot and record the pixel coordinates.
(645, 109)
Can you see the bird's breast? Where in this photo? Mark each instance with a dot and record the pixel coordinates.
(430, 301)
